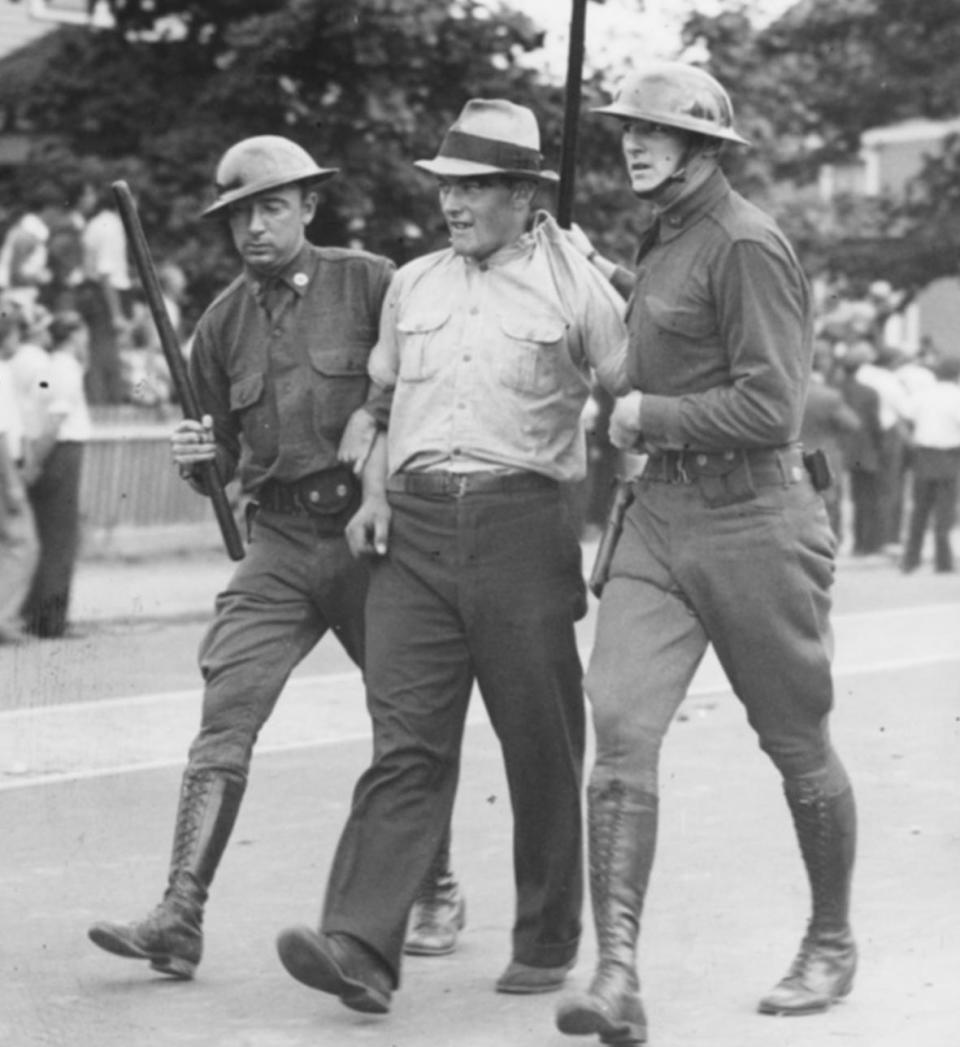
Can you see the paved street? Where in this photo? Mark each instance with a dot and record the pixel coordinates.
(92, 737)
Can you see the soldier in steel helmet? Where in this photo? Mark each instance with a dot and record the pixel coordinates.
(727, 542)
(279, 363)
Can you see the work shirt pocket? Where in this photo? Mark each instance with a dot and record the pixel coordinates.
(688, 321)
(421, 344)
(530, 354)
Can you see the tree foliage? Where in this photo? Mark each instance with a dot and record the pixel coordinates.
(364, 85)
(807, 86)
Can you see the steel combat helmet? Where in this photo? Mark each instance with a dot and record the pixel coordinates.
(263, 162)
(676, 95)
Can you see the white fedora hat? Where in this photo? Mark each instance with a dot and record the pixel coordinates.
(491, 136)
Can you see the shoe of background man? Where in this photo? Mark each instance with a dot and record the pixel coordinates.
(522, 979)
(438, 915)
(339, 965)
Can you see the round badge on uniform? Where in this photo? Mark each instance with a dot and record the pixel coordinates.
(301, 279)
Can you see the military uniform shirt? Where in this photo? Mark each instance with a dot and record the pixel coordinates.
(720, 327)
(281, 385)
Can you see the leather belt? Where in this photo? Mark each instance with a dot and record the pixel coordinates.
(458, 485)
(329, 493)
(767, 465)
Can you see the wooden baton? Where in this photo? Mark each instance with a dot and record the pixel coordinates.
(170, 344)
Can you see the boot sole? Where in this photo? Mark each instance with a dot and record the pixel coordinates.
(581, 1019)
(163, 963)
(313, 967)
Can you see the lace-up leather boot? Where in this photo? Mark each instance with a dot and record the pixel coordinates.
(622, 833)
(823, 970)
(439, 911)
(171, 936)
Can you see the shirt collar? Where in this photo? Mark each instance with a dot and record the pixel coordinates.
(690, 206)
(504, 255)
(296, 274)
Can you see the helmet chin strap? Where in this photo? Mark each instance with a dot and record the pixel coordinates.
(696, 152)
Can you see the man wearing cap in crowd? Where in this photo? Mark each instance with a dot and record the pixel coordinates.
(726, 543)
(476, 573)
(279, 363)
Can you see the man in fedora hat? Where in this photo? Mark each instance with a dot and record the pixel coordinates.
(488, 347)
(279, 362)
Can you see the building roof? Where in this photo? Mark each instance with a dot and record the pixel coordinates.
(917, 130)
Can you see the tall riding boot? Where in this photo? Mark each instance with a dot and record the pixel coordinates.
(824, 967)
(171, 936)
(623, 834)
(439, 911)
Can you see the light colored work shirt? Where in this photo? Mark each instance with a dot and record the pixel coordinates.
(69, 400)
(491, 362)
(105, 250)
(936, 416)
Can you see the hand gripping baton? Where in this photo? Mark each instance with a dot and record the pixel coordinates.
(210, 474)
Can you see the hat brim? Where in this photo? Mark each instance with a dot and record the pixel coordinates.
(321, 174)
(450, 167)
(681, 123)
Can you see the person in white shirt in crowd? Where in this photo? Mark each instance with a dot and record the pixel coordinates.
(24, 257)
(103, 297)
(935, 413)
(55, 494)
(18, 539)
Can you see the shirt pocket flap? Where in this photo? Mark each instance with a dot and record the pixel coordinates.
(422, 322)
(340, 363)
(246, 391)
(542, 329)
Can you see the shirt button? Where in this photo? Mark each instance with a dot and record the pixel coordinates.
(474, 310)
(728, 456)
(467, 358)
(701, 459)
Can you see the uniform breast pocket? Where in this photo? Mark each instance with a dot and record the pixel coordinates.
(530, 353)
(688, 320)
(421, 344)
(340, 384)
(246, 393)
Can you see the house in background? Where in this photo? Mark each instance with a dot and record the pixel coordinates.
(889, 158)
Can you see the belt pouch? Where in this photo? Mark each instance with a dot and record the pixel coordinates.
(726, 483)
(331, 497)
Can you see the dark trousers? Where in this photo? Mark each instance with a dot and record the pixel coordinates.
(103, 381)
(484, 588)
(291, 587)
(867, 519)
(934, 492)
(55, 498)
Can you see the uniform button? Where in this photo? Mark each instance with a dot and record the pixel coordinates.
(314, 497)
(457, 450)
(301, 279)
(341, 490)
(728, 456)
(467, 358)
(701, 459)
(474, 310)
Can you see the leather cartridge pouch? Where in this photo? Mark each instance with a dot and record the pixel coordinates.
(725, 481)
(331, 497)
